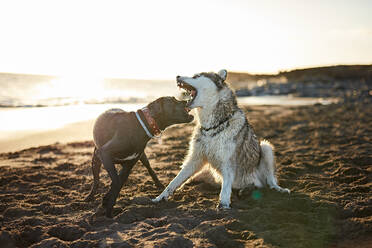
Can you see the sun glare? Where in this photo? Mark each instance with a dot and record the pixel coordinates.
(74, 86)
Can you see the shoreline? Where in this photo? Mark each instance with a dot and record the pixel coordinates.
(74, 132)
(44, 131)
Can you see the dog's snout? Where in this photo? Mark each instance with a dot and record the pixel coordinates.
(178, 77)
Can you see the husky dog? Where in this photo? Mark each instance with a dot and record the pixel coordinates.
(224, 139)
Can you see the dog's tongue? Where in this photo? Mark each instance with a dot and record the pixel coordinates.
(193, 93)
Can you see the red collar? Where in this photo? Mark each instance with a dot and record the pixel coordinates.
(155, 130)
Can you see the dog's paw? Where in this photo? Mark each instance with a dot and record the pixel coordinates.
(285, 190)
(159, 198)
(223, 206)
(281, 190)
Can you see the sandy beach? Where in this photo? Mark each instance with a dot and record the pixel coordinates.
(323, 155)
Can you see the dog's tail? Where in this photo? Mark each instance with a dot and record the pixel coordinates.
(267, 154)
(267, 167)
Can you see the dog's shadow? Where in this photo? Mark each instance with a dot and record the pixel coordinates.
(294, 220)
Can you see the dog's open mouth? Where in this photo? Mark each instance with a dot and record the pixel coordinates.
(190, 92)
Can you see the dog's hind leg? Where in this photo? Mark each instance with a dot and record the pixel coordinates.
(96, 168)
(193, 164)
(146, 163)
(105, 155)
(109, 199)
(267, 167)
(273, 184)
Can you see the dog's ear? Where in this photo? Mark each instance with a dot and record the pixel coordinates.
(160, 105)
(223, 74)
(156, 107)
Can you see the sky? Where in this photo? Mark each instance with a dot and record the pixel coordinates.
(164, 38)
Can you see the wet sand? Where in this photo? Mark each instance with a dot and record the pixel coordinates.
(19, 140)
(324, 155)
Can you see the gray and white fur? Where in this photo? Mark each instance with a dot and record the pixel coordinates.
(224, 140)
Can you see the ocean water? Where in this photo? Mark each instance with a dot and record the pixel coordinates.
(33, 103)
(28, 91)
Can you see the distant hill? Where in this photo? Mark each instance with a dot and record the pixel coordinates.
(339, 72)
(326, 73)
(29, 78)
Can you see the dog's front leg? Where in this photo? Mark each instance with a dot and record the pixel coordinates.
(226, 188)
(146, 163)
(192, 165)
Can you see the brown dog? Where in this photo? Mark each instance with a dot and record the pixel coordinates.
(120, 137)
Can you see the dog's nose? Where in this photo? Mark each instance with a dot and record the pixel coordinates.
(178, 77)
